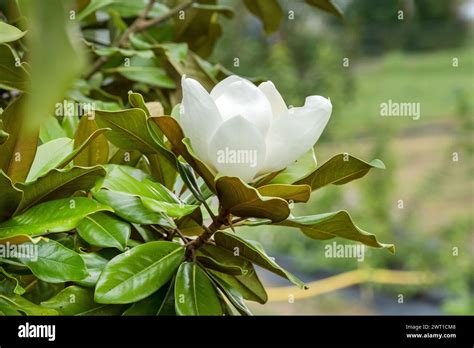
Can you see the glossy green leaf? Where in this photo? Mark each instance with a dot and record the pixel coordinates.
(7, 309)
(95, 263)
(97, 152)
(10, 197)
(154, 196)
(269, 12)
(9, 33)
(92, 6)
(155, 304)
(130, 131)
(136, 274)
(76, 300)
(233, 295)
(327, 5)
(253, 252)
(294, 193)
(339, 170)
(221, 260)
(194, 292)
(54, 263)
(18, 152)
(247, 284)
(151, 75)
(304, 166)
(104, 230)
(12, 75)
(23, 305)
(48, 156)
(336, 224)
(131, 208)
(58, 183)
(49, 217)
(51, 130)
(82, 147)
(240, 199)
(127, 8)
(9, 284)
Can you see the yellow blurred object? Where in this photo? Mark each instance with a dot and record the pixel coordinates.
(344, 280)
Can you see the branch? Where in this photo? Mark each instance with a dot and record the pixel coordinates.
(209, 231)
(140, 24)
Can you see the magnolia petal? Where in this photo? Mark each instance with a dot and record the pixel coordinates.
(274, 97)
(220, 88)
(241, 97)
(295, 132)
(237, 149)
(199, 116)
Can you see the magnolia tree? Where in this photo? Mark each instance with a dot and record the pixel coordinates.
(124, 182)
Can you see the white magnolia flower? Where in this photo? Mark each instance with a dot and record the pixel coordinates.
(246, 131)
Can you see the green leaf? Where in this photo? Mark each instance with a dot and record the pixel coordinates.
(248, 284)
(71, 300)
(131, 208)
(269, 12)
(294, 193)
(253, 252)
(127, 8)
(189, 63)
(155, 304)
(336, 224)
(129, 130)
(49, 156)
(9, 284)
(136, 274)
(222, 260)
(328, 6)
(50, 217)
(153, 195)
(7, 309)
(58, 183)
(305, 165)
(94, 5)
(104, 230)
(339, 170)
(240, 199)
(95, 263)
(12, 75)
(54, 263)
(9, 33)
(51, 130)
(233, 295)
(18, 152)
(150, 75)
(194, 292)
(10, 197)
(23, 305)
(97, 152)
(51, 20)
(211, 263)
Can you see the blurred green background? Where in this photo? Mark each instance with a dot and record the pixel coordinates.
(423, 201)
